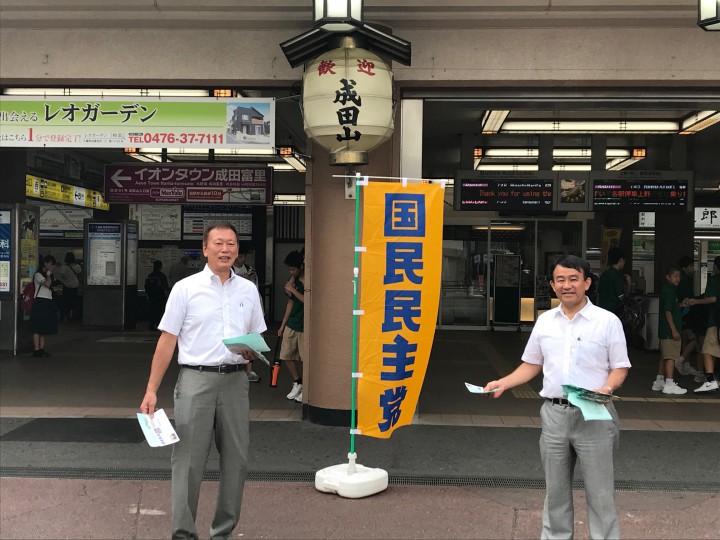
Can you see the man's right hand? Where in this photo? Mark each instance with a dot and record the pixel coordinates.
(497, 386)
(148, 403)
(280, 330)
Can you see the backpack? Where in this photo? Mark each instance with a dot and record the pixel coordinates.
(28, 297)
(154, 288)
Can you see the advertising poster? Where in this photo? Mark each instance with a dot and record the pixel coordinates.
(62, 221)
(28, 232)
(104, 253)
(158, 221)
(196, 217)
(96, 122)
(5, 250)
(132, 254)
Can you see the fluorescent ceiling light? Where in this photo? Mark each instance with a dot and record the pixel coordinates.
(501, 227)
(281, 166)
(293, 158)
(289, 200)
(492, 121)
(568, 167)
(205, 151)
(557, 152)
(101, 92)
(699, 121)
(638, 154)
(614, 126)
(508, 167)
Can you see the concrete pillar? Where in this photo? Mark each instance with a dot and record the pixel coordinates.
(329, 253)
(13, 167)
(545, 152)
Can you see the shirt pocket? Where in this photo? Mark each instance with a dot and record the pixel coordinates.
(591, 355)
(240, 317)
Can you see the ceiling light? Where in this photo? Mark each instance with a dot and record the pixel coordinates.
(224, 92)
(709, 14)
(508, 167)
(492, 121)
(134, 153)
(501, 227)
(477, 153)
(618, 164)
(614, 126)
(296, 160)
(699, 121)
(102, 92)
(289, 200)
(522, 153)
(205, 151)
(565, 167)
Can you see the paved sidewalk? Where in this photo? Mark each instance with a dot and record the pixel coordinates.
(109, 509)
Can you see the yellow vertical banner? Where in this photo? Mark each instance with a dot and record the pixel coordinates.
(399, 297)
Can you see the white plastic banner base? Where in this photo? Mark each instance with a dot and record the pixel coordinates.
(350, 480)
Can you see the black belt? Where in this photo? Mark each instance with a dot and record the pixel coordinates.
(224, 368)
(560, 401)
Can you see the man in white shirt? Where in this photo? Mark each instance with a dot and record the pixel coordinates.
(580, 344)
(211, 393)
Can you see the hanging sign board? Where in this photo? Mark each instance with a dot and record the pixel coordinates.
(96, 122)
(50, 190)
(650, 191)
(504, 191)
(707, 218)
(176, 183)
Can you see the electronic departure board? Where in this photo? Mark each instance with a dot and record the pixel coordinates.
(640, 195)
(523, 196)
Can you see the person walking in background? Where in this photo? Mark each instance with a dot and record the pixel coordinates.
(178, 271)
(241, 268)
(711, 344)
(669, 323)
(69, 275)
(244, 270)
(156, 289)
(293, 323)
(580, 344)
(690, 322)
(212, 391)
(611, 288)
(44, 315)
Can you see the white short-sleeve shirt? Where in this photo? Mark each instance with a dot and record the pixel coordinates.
(201, 311)
(580, 351)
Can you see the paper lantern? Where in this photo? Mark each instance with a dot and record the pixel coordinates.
(348, 103)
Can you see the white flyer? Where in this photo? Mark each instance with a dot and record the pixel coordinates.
(473, 389)
(158, 430)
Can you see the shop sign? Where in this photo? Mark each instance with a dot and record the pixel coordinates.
(707, 218)
(50, 190)
(95, 122)
(176, 184)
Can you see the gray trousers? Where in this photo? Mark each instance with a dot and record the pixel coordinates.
(208, 402)
(566, 438)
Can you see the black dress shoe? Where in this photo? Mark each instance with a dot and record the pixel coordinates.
(45, 354)
(37, 353)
